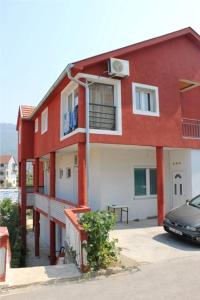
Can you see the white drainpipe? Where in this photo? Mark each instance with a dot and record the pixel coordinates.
(87, 125)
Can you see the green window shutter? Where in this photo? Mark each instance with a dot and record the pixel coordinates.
(140, 182)
(153, 185)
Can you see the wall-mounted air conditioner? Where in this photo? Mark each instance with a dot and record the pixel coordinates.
(118, 67)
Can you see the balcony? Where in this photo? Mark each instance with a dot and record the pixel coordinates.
(51, 207)
(102, 117)
(191, 128)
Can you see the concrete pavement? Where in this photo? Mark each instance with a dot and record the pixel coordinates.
(177, 279)
(147, 243)
(31, 259)
(19, 277)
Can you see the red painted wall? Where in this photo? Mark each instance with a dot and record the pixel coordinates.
(189, 100)
(161, 65)
(26, 147)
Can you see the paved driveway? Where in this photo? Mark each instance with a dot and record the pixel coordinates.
(147, 243)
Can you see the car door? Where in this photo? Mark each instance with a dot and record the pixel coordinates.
(178, 189)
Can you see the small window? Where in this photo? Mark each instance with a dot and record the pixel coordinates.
(60, 173)
(44, 121)
(145, 182)
(145, 99)
(68, 172)
(140, 182)
(36, 125)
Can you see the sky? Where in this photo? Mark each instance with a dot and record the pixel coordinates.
(38, 38)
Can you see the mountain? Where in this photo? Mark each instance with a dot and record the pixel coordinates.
(8, 139)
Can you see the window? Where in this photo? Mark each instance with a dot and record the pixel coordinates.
(102, 109)
(2, 165)
(69, 111)
(145, 181)
(68, 172)
(60, 173)
(145, 99)
(44, 121)
(36, 125)
(102, 94)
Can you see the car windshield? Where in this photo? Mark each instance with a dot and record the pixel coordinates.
(195, 202)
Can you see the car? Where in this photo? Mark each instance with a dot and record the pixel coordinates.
(184, 221)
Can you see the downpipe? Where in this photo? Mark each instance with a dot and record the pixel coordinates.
(87, 125)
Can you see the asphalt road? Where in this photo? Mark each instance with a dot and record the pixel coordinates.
(175, 279)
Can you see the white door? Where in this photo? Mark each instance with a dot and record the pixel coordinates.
(178, 189)
(75, 183)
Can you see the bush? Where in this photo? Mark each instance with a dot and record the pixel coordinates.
(9, 218)
(101, 252)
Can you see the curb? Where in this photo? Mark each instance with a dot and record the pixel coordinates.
(81, 277)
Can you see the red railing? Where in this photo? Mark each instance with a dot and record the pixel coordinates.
(191, 128)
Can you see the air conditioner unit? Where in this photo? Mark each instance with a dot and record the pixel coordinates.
(118, 67)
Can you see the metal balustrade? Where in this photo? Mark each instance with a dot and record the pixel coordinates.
(191, 128)
(102, 116)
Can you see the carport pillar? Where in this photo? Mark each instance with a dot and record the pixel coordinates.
(36, 175)
(52, 194)
(82, 181)
(37, 232)
(160, 183)
(23, 203)
(52, 173)
(52, 242)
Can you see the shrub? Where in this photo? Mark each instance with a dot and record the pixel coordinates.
(9, 218)
(101, 252)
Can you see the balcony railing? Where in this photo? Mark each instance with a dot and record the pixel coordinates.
(30, 189)
(102, 116)
(191, 128)
(52, 207)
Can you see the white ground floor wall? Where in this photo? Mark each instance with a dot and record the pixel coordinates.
(112, 177)
(45, 233)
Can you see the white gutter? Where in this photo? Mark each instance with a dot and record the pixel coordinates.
(87, 125)
(58, 80)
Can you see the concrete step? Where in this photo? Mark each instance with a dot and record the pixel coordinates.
(19, 277)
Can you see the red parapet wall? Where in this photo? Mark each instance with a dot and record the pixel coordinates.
(5, 253)
(72, 216)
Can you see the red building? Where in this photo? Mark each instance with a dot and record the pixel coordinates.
(119, 128)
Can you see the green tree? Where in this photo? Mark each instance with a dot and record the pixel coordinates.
(9, 217)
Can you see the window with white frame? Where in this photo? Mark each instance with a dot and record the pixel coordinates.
(44, 121)
(69, 110)
(145, 99)
(36, 125)
(145, 182)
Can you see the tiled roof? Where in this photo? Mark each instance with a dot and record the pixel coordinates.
(26, 110)
(4, 159)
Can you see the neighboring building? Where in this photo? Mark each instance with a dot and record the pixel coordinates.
(8, 171)
(144, 118)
